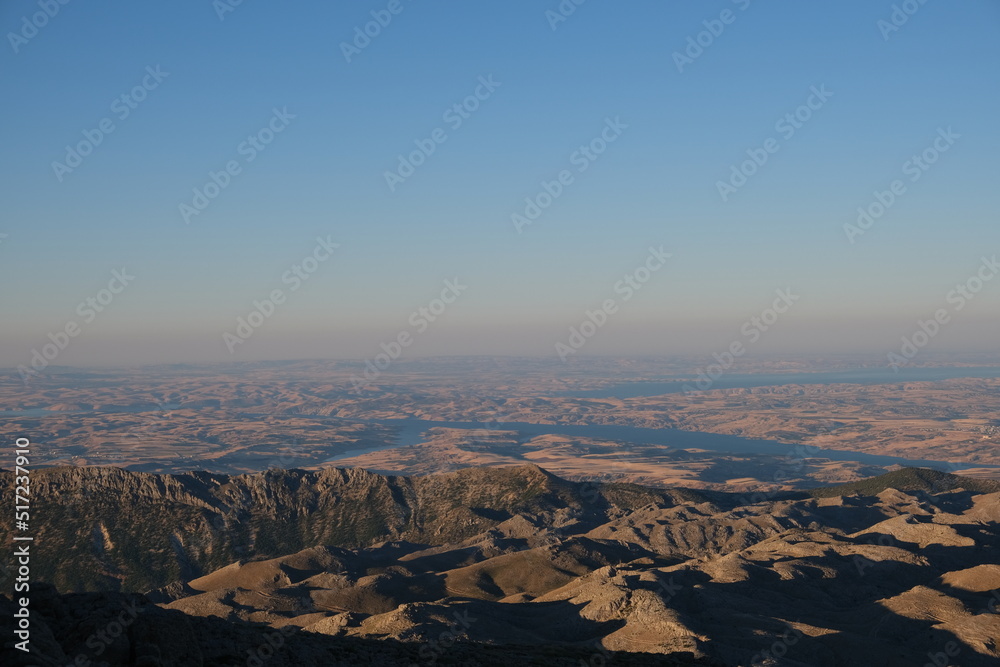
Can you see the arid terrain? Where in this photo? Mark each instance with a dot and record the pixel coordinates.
(595, 459)
(483, 511)
(250, 417)
(472, 566)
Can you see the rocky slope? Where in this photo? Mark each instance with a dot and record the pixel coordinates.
(112, 529)
(899, 570)
(87, 629)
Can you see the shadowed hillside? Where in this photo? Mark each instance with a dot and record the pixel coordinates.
(68, 627)
(112, 529)
(909, 479)
(888, 571)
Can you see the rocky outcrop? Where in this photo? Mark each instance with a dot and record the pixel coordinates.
(112, 529)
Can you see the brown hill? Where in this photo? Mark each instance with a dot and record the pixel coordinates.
(518, 558)
(112, 529)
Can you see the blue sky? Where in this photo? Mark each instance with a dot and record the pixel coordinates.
(655, 185)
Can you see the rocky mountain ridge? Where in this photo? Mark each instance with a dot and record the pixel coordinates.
(895, 570)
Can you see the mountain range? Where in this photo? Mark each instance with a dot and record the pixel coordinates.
(487, 563)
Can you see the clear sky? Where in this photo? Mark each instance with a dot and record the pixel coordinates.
(676, 117)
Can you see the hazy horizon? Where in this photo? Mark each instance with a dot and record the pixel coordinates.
(300, 135)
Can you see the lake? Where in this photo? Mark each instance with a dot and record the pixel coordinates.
(409, 433)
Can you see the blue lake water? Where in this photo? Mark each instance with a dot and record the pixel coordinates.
(409, 432)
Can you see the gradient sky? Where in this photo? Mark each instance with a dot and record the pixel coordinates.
(655, 185)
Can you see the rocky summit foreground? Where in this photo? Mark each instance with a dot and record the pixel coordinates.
(508, 566)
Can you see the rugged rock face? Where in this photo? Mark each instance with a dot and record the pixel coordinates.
(516, 557)
(111, 529)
